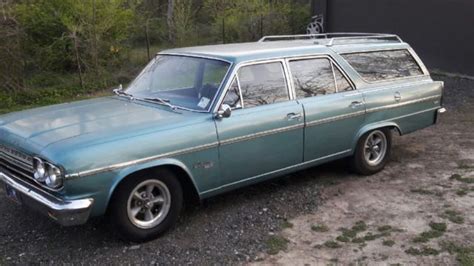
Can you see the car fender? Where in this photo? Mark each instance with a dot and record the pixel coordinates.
(371, 127)
(125, 172)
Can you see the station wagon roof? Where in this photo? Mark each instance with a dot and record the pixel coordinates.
(241, 52)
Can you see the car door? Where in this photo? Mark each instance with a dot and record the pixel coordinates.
(334, 111)
(265, 130)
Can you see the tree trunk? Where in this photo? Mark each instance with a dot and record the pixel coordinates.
(147, 36)
(78, 59)
(169, 20)
(95, 52)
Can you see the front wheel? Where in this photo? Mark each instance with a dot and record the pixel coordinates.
(372, 152)
(146, 205)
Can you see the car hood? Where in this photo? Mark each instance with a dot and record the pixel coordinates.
(91, 120)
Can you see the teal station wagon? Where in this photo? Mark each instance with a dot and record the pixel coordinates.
(204, 120)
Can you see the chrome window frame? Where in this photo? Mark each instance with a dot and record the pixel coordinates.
(333, 63)
(410, 51)
(235, 79)
(234, 75)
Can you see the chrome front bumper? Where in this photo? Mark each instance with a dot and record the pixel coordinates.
(66, 213)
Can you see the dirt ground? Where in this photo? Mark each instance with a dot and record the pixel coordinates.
(419, 210)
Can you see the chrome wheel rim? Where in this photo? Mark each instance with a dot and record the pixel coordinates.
(375, 148)
(148, 204)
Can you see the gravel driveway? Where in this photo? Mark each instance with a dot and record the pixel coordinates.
(298, 218)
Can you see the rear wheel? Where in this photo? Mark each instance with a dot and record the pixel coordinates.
(372, 152)
(147, 205)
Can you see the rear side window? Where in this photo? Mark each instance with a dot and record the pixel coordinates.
(263, 84)
(317, 77)
(383, 65)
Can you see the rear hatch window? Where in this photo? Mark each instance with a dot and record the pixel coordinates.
(384, 65)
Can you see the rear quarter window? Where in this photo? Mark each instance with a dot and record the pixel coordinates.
(384, 65)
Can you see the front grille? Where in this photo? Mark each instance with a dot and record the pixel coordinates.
(18, 163)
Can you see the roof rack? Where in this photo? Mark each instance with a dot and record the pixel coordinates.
(334, 38)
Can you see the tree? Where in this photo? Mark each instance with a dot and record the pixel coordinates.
(11, 63)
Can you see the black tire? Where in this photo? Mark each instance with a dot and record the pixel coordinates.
(118, 212)
(363, 166)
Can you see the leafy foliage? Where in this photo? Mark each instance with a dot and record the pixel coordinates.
(78, 47)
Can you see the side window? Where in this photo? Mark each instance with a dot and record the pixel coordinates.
(232, 98)
(382, 65)
(316, 77)
(263, 84)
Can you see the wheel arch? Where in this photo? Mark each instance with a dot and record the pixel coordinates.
(185, 178)
(370, 127)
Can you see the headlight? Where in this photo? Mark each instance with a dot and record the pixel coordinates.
(54, 177)
(40, 169)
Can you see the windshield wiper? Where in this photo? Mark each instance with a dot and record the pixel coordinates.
(120, 92)
(162, 101)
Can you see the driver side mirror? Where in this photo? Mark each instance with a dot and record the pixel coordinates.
(224, 111)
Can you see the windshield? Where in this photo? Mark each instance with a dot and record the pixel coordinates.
(180, 81)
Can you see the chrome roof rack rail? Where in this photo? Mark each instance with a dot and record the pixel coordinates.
(334, 38)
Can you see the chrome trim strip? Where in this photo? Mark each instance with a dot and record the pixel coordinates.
(16, 171)
(396, 86)
(17, 155)
(391, 106)
(276, 171)
(16, 162)
(194, 55)
(139, 161)
(260, 134)
(334, 118)
(180, 152)
(415, 113)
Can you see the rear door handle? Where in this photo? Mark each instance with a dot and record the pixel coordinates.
(293, 116)
(356, 104)
(397, 96)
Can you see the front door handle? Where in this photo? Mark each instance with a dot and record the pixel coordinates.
(397, 96)
(356, 104)
(293, 116)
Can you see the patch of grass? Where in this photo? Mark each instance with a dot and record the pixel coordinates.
(459, 178)
(358, 240)
(343, 238)
(331, 244)
(276, 244)
(465, 166)
(286, 224)
(462, 191)
(465, 259)
(464, 255)
(453, 216)
(437, 230)
(441, 227)
(349, 233)
(319, 228)
(453, 248)
(424, 251)
(421, 191)
(384, 228)
(388, 242)
(370, 236)
(359, 226)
